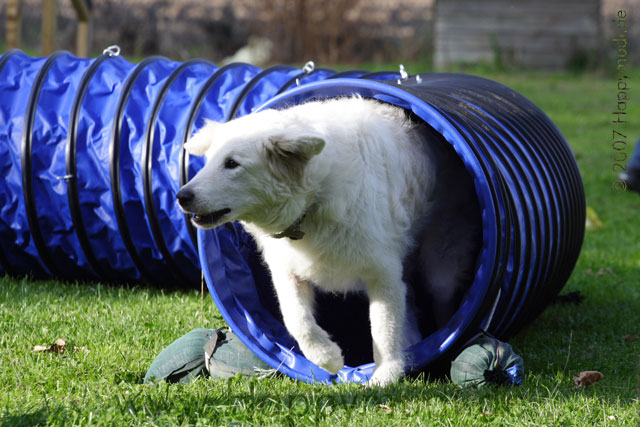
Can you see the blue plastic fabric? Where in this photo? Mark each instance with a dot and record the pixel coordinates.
(135, 117)
(16, 78)
(49, 166)
(163, 132)
(515, 374)
(96, 115)
(106, 128)
(103, 139)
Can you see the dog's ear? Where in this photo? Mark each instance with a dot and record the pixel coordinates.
(290, 156)
(199, 143)
(303, 148)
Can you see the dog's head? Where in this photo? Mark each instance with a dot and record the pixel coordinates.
(256, 170)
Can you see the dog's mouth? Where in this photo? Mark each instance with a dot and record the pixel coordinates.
(209, 220)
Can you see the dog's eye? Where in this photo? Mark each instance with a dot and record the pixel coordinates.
(230, 164)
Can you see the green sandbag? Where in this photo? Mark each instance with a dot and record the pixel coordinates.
(487, 361)
(216, 352)
(231, 356)
(182, 360)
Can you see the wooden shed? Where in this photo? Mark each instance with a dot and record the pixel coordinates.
(543, 34)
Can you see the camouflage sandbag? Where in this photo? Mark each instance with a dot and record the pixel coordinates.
(487, 361)
(215, 352)
(183, 360)
(231, 357)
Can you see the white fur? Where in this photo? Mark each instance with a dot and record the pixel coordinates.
(360, 173)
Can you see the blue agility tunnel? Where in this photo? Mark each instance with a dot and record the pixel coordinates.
(92, 158)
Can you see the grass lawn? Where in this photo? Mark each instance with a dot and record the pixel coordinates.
(120, 330)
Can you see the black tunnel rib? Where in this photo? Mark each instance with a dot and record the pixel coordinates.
(147, 173)
(3, 258)
(27, 167)
(72, 172)
(114, 168)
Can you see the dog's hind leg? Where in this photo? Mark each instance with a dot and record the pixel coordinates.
(296, 299)
(387, 307)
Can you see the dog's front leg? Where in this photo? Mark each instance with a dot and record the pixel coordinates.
(387, 306)
(296, 299)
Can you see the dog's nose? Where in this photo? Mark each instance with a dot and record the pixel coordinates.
(185, 196)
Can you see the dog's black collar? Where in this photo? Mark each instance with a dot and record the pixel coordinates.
(293, 231)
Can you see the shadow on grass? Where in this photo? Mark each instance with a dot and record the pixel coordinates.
(283, 401)
(34, 417)
(256, 401)
(129, 377)
(25, 287)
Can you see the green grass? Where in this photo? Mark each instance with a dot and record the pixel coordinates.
(123, 329)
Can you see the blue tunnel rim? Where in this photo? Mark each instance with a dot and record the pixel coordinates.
(27, 166)
(4, 261)
(73, 194)
(485, 298)
(147, 170)
(114, 167)
(483, 127)
(502, 201)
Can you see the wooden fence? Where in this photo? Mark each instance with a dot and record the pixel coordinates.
(49, 27)
(542, 34)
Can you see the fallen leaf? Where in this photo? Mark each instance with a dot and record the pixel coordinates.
(59, 347)
(631, 338)
(586, 378)
(385, 408)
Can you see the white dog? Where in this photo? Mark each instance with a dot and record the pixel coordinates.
(336, 194)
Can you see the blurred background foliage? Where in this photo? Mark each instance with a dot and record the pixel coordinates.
(548, 34)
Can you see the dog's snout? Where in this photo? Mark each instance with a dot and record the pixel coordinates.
(185, 196)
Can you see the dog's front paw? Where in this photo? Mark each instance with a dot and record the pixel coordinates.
(328, 356)
(385, 374)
